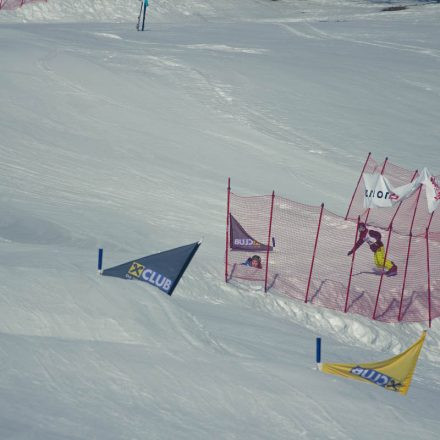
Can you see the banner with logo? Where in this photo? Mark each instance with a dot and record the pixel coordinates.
(241, 240)
(380, 193)
(394, 374)
(162, 270)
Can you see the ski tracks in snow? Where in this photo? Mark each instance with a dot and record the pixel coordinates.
(185, 326)
(309, 31)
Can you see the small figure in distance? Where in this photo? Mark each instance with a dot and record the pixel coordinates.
(374, 239)
(254, 261)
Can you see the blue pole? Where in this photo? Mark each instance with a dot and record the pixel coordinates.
(318, 350)
(145, 10)
(100, 252)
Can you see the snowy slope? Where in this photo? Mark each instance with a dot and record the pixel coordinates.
(198, 10)
(115, 138)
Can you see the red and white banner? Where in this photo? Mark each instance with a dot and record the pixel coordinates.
(432, 190)
(381, 194)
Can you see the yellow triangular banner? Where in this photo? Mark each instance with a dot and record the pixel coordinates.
(393, 374)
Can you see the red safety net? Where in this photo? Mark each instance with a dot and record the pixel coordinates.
(14, 4)
(309, 261)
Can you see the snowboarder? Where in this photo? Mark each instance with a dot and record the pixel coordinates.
(374, 239)
(254, 261)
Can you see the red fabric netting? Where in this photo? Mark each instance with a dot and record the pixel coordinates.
(335, 280)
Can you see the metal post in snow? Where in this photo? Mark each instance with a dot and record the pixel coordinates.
(357, 185)
(227, 228)
(381, 276)
(314, 253)
(352, 264)
(268, 241)
(100, 255)
(318, 350)
(138, 24)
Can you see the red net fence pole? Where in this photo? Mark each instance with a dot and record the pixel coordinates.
(314, 253)
(399, 318)
(400, 204)
(408, 252)
(429, 270)
(430, 221)
(351, 267)
(429, 277)
(228, 206)
(415, 210)
(383, 270)
(357, 185)
(268, 241)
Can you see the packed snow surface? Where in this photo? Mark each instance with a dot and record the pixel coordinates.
(124, 140)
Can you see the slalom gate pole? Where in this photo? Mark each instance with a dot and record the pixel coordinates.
(318, 350)
(357, 185)
(381, 173)
(314, 253)
(228, 205)
(400, 203)
(143, 17)
(352, 264)
(268, 241)
(100, 255)
(407, 254)
(382, 274)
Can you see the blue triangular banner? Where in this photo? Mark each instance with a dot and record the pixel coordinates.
(162, 270)
(241, 240)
